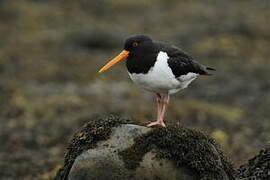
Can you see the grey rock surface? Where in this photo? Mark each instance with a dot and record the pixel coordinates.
(104, 161)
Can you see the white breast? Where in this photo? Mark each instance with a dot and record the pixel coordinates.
(160, 77)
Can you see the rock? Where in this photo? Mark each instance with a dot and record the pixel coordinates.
(112, 149)
(105, 162)
(257, 167)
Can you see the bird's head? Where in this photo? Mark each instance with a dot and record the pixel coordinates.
(133, 45)
(137, 42)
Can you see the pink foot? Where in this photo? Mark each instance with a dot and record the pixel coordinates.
(156, 123)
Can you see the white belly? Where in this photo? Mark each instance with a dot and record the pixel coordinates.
(160, 78)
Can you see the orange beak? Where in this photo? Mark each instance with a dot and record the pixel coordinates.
(123, 55)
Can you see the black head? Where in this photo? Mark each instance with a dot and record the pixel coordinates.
(137, 42)
(137, 47)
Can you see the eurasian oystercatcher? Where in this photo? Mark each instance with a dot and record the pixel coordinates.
(158, 67)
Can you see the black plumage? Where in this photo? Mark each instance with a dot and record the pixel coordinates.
(143, 57)
(180, 62)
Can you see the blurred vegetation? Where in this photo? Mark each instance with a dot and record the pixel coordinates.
(50, 52)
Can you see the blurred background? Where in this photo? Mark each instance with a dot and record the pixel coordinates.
(51, 50)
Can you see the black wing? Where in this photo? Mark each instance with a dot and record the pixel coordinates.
(181, 63)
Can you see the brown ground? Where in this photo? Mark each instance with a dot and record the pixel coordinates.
(50, 52)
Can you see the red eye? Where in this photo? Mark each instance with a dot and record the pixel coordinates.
(135, 44)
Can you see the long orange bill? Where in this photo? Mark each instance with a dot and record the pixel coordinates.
(123, 55)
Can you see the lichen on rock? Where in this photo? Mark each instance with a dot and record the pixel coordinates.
(185, 147)
(257, 167)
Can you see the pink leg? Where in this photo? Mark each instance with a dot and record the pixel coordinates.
(162, 103)
(159, 104)
(166, 101)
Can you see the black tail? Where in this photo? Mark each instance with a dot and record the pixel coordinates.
(211, 69)
(205, 72)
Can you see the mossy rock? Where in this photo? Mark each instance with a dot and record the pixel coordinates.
(257, 167)
(110, 148)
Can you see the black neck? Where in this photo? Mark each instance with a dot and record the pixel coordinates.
(141, 61)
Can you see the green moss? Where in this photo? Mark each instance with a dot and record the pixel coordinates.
(185, 147)
(98, 129)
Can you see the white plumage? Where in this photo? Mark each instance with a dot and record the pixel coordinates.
(160, 78)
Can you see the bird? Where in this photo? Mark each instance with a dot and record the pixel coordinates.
(158, 67)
